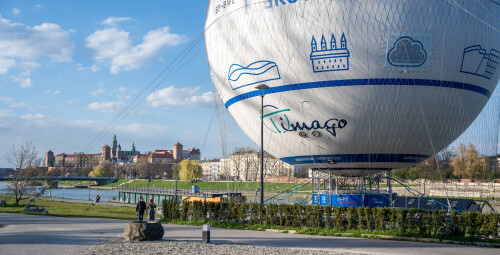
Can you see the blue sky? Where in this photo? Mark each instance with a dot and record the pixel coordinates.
(68, 68)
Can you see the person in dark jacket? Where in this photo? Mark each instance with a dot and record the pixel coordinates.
(151, 208)
(140, 208)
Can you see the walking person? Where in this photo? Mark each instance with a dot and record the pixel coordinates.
(151, 208)
(140, 208)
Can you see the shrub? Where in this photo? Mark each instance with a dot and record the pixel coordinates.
(368, 217)
(392, 219)
(424, 223)
(340, 223)
(329, 223)
(351, 217)
(401, 220)
(412, 223)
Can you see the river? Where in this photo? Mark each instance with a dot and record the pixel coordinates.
(72, 193)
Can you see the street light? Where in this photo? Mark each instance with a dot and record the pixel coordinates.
(262, 89)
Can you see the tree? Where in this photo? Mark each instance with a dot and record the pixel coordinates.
(468, 164)
(243, 162)
(99, 171)
(25, 160)
(24, 156)
(190, 170)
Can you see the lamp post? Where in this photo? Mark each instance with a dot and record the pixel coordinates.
(262, 89)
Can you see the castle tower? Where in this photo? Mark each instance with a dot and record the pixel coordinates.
(118, 151)
(64, 159)
(50, 160)
(343, 42)
(333, 42)
(133, 147)
(114, 144)
(323, 43)
(314, 45)
(106, 153)
(178, 151)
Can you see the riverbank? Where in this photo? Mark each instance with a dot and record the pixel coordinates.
(73, 208)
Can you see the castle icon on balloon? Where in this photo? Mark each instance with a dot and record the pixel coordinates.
(333, 59)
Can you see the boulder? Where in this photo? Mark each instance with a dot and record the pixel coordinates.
(143, 231)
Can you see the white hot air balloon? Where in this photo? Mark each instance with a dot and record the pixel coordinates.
(355, 85)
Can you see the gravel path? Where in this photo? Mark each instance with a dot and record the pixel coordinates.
(193, 248)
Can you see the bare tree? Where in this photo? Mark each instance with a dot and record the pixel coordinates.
(24, 156)
(25, 160)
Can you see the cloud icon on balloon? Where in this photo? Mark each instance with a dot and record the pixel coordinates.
(407, 52)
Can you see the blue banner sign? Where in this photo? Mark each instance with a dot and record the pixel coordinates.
(315, 199)
(371, 200)
(323, 199)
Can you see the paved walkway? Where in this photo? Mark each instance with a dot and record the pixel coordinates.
(33, 234)
(79, 201)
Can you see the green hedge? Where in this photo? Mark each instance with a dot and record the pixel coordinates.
(411, 222)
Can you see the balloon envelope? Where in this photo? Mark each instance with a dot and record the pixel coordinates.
(355, 86)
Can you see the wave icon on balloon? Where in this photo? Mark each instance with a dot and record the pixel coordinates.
(260, 71)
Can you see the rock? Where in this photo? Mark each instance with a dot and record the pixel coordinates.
(143, 231)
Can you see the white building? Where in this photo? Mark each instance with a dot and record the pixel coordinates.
(215, 169)
(205, 169)
(246, 167)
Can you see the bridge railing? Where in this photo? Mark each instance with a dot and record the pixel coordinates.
(163, 190)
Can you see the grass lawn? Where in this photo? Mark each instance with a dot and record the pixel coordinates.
(69, 209)
(212, 185)
(74, 183)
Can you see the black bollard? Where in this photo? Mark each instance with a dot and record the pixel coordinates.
(206, 233)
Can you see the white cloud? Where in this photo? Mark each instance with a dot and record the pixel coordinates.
(108, 43)
(111, 21)
(70, 101)
(18, 41)
(15, 11)
(122, 93)
(38, 6)
(16, 104)
(4, 113)
(107, 107)
(24, 82)
(11, 103)
(97, 92)
(53, 92)
(28, 66)
(21, 45)
(136, 128)
(6, 64)
(37, 116)
(113, 46)
(187, 97)
(95, 68)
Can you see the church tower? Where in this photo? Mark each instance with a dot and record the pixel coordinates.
(323, 43)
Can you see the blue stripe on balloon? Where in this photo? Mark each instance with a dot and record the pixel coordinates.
(363, 82)
(355, 158)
